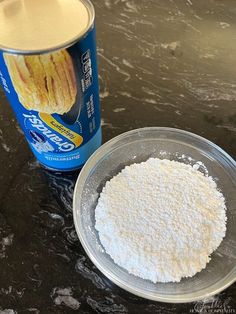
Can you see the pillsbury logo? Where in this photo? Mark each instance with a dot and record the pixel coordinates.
(32, 121)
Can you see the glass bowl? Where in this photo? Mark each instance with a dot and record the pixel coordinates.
(137, 146)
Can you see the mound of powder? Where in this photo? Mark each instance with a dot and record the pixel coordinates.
(161, 220)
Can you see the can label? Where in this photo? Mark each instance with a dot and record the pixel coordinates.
(55, 97)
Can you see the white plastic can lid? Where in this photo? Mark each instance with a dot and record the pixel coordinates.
(37, 26)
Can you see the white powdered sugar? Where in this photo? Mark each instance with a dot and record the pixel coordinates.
(161, 220)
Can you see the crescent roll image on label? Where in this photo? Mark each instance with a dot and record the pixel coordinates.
(45, 83)
(50, 78)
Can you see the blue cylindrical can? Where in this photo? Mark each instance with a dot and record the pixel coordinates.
(51, 79)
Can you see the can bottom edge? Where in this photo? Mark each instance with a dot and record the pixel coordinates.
(88, 149)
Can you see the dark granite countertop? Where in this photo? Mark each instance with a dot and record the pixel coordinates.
(162, 63)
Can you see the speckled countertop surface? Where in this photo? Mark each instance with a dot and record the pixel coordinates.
(162, 63)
